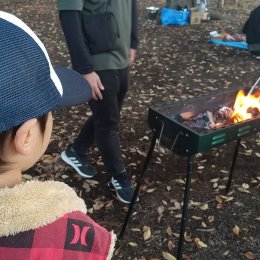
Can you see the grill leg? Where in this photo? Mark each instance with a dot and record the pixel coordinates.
(137, 188)
(185, 206)
(233, 165)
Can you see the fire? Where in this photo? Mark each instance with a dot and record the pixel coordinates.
(245, 106)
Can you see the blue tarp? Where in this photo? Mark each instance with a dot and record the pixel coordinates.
(174, 17)
(241, 45)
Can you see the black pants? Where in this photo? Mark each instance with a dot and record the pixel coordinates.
(256, 53)
(102, 127)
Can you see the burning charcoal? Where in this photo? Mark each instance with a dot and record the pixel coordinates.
(254, 111)
(187, 115)
(201, 121)
(223, 114)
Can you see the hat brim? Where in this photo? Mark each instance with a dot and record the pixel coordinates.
(76, 89)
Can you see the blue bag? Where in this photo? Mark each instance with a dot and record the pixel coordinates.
(174, 17)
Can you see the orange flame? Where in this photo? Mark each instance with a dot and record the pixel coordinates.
(245, 105)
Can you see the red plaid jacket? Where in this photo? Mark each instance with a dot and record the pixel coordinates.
(73, 235)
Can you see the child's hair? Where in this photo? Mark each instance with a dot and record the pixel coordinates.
(11, 132)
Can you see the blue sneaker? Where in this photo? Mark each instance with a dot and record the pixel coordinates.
(123, 187)
(79, 163)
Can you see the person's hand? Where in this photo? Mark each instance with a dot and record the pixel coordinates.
(132, 56)
(95, 84)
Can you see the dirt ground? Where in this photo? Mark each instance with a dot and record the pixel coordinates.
(173, 63)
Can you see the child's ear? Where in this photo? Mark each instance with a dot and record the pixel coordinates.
(23, 137)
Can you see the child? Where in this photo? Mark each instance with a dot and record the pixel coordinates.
(38, 220)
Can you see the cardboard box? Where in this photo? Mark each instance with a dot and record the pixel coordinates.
(205, 16)
(195, 16)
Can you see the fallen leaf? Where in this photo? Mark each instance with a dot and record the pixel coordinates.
(188, 238)
(243, 144)
(159, 219)
(211, 219)
(226, 253)
(170, 245)
(257, 154)
(218, 199)
(98, 205)
(215, 185)
(180, 181)
(196, 218)
(168, 256)
(164, 202)
(92, 182)
(229, 199)
(160, 210)
(177, 205)
(168, 188)
(151, 190)
(250, 256)
(136, 229)
(245, 186)
(146, 232)
(194, 203)
(90, 210)
(236, 230)
(243, 190)
(224, 171)
(27, 176)
(132, 244)
(48, 159)
(203, 224)
(204, 206)
(223, 197)
(199, 243)
(169, 231)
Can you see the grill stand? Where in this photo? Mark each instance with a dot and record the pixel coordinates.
(233, 165)
(137, 188)
(185, 207)
(186, 192)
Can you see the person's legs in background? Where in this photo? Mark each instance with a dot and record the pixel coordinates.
(106, 131)
(103, 127)
(256, 54)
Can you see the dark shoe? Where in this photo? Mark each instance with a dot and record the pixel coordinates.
(79, 163)
(123, 187)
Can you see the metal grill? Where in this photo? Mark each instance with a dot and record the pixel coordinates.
(183, 140)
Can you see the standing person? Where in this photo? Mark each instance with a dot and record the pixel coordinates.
(252, 31)
(108, 76)
(38, 220)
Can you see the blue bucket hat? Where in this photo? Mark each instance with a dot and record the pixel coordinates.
(29, 85)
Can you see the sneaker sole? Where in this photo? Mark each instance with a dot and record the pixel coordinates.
(111, 185)
(67, 160)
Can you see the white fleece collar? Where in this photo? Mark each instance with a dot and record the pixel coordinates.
(34, 204)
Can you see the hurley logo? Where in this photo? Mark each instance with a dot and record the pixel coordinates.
(80, 236)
